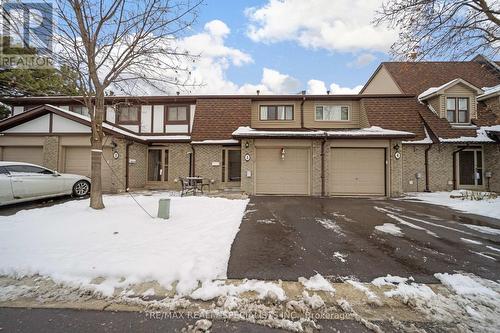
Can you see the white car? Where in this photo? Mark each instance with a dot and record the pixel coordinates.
(21, 182)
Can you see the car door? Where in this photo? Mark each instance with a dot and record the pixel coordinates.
(29, 181)
(5, 186)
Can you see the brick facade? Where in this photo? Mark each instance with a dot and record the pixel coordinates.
(51, 152)
(492, 164)
(138, 169)
(209, 164)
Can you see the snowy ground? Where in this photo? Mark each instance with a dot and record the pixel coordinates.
(490, 208)
(72, 243)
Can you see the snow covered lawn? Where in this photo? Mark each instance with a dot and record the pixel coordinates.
(490, 208)
(74, 244)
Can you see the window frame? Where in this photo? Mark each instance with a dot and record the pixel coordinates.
(276, 106)
(127, 122)
(167, 121)
(456, 111)
(44, 170)
(349, 112)
(73, 106)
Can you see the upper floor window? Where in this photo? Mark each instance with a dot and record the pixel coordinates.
(128, 114)
(276, 112)
(457, 109)
(177, 114)
(80, 109)
(332, 113)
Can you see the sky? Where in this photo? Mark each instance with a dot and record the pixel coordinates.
(287, 46)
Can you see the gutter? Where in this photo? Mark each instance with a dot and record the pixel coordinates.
(302, 112)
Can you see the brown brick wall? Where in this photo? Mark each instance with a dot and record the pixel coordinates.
(492, 164)
(118, 167)
(396, 174)
(413, 163)
(138, 170)
(247, 166)
(205, 155)
(51, 152)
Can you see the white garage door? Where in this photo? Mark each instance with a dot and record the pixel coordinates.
(23, 154)
(282, 174)
(357, 171)
(77, 161)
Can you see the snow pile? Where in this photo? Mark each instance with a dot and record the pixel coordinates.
(246, 131)
(75, 244)
(390, 228)
(213, 289)
(471, 303)
(483, 229)
(314, 301)
(389, 280)
(331, 225)
(370, 295)
(317, 282)
(481, 135)
(490, 208)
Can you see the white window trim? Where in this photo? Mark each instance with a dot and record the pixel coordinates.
(330, 121)
(276, 120)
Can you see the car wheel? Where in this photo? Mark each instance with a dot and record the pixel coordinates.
(81, 188)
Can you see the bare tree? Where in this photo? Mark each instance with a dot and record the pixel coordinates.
(121, 45)
(451, 29)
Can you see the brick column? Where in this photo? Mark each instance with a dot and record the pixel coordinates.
(396, 165)
(247, 166)
(51, 152)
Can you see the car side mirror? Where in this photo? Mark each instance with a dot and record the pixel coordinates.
(56, 174)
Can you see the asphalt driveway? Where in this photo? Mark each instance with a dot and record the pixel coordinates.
(289, 237)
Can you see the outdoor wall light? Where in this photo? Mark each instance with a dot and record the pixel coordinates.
(247, 144)
(396, 147)
(283, 154)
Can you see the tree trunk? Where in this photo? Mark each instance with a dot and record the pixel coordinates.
(96, 201)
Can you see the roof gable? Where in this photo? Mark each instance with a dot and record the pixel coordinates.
(381, 82)
(434, 91)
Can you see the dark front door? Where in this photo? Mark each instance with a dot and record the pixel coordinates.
(470, 168)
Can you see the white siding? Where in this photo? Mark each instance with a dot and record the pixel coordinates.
(17, 110)
(158, 119)
(134, 128)
(37, 125)
(192, 112)
(63, 125)
(110, 114)
(146, 111)
(176, 128)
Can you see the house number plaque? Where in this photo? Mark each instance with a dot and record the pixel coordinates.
(247, 157)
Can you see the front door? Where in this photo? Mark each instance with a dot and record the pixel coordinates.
(231, 167)
(470, 169)
(157, 165)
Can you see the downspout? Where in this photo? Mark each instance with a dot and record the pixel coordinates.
(455, 167)
(127, 157)
(426, 163)
(192, 168)
(302, 112)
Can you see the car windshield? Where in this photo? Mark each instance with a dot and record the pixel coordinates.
(27, 169)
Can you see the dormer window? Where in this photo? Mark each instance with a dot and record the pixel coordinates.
(457, 109)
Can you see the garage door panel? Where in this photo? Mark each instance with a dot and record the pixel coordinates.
(23, 154)
(77, 161)
(275, 175)
(357, 171)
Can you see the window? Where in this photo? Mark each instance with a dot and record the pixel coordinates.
(457, 109)
(332, 113)
(177, 114)
(128, 114)
(276, 112)
(80, 109)
(27, 169)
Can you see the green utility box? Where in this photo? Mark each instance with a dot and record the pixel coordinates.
(164, 209)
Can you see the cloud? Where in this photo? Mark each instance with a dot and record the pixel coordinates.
(318, 87)
(335, 25)
(272, 82)
(362, 60)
